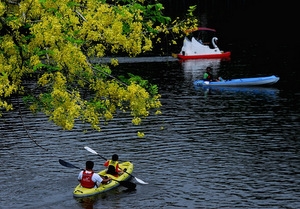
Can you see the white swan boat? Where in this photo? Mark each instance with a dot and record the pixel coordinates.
(202, 44)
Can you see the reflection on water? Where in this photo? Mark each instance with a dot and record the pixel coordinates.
(200, 64)
(231, 148)
(267, 92)
(194, 69)
(89, 202)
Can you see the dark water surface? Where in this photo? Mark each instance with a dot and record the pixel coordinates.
(218, 148)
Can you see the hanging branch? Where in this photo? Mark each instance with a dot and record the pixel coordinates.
(28, 134)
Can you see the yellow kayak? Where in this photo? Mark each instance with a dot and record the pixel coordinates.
(80, 191)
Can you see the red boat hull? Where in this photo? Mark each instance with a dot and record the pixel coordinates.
(204, 56)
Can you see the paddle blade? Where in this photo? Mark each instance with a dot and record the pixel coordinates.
(140, 181)
(66, 164)
(137, 179)
(128, 184)
(94, 152)
(90, 150)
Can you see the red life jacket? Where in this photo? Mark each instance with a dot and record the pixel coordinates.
(86, 180)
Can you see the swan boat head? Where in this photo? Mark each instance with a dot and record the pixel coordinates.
(214, 41)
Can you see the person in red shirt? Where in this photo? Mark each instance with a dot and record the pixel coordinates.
(89, 179)
(113, 166)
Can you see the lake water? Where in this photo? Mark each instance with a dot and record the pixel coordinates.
(215, 148)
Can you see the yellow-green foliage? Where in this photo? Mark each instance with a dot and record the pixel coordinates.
(50, 43)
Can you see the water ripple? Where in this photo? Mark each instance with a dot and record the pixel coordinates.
(207, 150)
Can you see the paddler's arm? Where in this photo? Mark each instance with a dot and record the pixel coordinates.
(105, 179)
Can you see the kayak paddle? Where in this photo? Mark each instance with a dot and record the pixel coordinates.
(69, 165)
(127, 184)
(94, 152)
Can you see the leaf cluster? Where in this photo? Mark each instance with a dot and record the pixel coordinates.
(52, 43)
